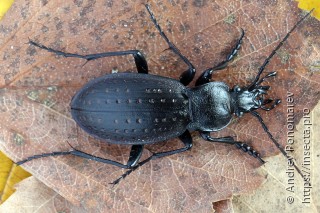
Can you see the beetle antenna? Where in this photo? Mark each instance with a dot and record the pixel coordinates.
(264, 126)
(270, 74)
(261, 69)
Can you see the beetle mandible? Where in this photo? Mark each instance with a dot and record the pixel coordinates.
(140, 108)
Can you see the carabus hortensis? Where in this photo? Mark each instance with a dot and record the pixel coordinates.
(139, 108)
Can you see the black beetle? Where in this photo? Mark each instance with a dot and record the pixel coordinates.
(137, 109)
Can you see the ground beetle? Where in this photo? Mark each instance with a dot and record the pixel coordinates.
(137, 108)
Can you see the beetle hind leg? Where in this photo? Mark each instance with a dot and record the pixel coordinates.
(185, 138)
(76, 153)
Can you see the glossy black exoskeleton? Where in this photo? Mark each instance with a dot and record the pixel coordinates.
(137, 108)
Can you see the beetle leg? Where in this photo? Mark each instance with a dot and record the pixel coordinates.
(135, 154)
(185, 138)
(244, 147)
(207, 74)
(76, 153)
(187, 76)
(139, 59)
(42, 156)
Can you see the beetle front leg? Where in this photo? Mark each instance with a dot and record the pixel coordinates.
(139, 59)
(207, 74)
(185, 138)
(229, 140)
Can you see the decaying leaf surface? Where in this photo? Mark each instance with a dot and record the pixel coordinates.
(223, 206)
(34, 196)
(37, 88)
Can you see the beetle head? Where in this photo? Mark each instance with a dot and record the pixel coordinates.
(247, 99)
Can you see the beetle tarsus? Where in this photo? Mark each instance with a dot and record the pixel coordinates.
(207, 74)
(130, 170)
(123, 176)
(229, 140)
(42, 156)
(246, 148)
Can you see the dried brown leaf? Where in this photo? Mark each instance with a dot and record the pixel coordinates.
(223, 206)
(34, 196)
(37, 88)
